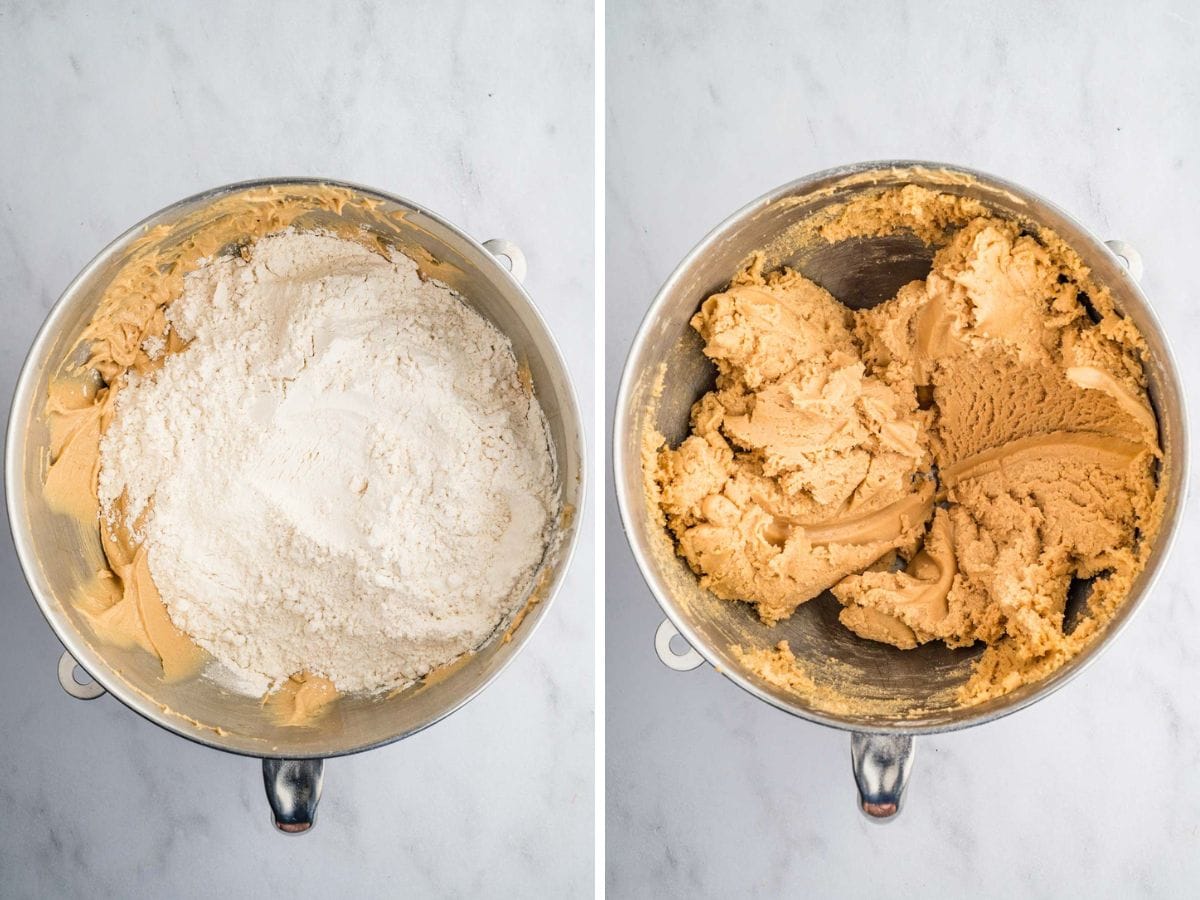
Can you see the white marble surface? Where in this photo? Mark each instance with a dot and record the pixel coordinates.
(1093, 792)
(111, 111)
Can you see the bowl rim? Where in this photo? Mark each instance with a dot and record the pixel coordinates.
(73, 640)
(981, 713)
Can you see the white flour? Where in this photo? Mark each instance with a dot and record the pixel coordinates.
(347, 475)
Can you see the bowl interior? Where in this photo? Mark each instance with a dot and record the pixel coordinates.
(58, 554)
(901, 690)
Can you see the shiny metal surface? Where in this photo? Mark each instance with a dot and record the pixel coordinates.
(862, 272)
(517, 266)
(49, 546)
(293, 789)
(1131, 257)
(881, 764)
(89, 690)
(681, 662)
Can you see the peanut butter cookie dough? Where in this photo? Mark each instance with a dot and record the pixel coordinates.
(947, 463)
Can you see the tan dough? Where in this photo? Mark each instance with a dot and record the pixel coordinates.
(801, 468)
(994, 387)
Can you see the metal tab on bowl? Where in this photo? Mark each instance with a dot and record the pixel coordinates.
(1130, 256)
(89, 690)
(517, 266)
(881, 764)
(294, 790)
(680, 662)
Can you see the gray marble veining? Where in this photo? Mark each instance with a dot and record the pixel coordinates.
(1093, 791)
(111, 111)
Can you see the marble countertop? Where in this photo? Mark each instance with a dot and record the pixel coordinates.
(112, 111)
(1094, 790)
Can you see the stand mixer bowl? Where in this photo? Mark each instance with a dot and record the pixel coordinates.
(666, 372)
(54, 549)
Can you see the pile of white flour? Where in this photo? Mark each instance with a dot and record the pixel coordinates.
(342, 473)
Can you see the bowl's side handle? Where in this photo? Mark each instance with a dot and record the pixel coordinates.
(293, 790)
(684, 661)
(510, 251)
(1128, 255)
(88, 690)
(881, 764)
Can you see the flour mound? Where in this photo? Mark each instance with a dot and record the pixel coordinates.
(340, 474)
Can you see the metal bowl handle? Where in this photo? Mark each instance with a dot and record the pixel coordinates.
(66, 677)
(881, 764)
(680, 662)
(293, 790)
(1129, 256)
(510, 251)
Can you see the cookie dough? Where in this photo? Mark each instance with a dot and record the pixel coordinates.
(948, 463)
(802, 466)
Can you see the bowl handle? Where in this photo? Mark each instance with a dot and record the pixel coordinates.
(680, 662)
(511, 252)
(1129, 256)
(293, 790)
(881, 764)
(66, 677)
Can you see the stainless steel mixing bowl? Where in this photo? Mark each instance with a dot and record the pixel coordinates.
(863, 272)
(51, 546)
